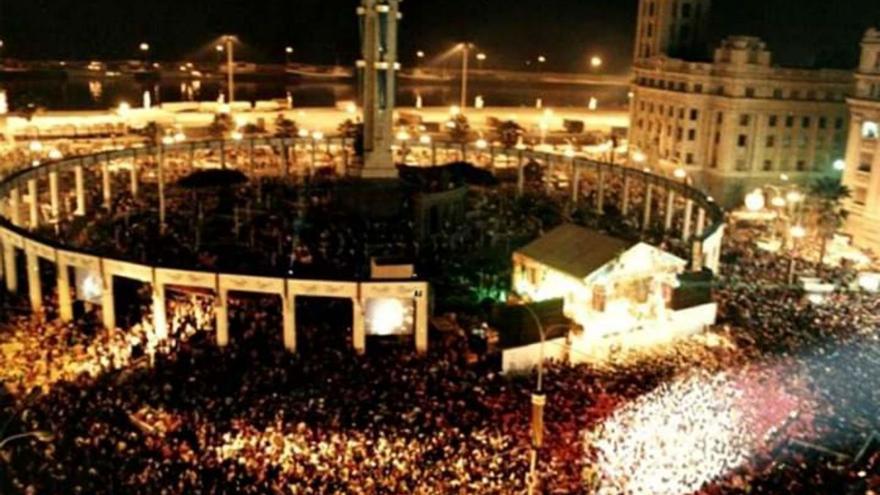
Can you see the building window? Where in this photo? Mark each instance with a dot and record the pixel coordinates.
(750, 92)
(744, 119)
(686, 11)
(768, 165)
(681, 113)
(795, 94)
(689, 159)
(865, 161)
(823, 122)
(698, 88)
(772, 121)
(870, 130)
(719, 118)
(811, 94)
(789, 121)
(717, 137)
(786, 141)
(860, 196)
(805, 122)
(838, 123)
(802, 141)
(801, 165)
(777, 93)
(695, 114)
(692, 134)
(771, 141)
(742, 141)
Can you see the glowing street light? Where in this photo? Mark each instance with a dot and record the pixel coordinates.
(755, 201)
(482, 144)
(420, 54)
(839, 165)
(680, 173)
(596, 62)
(144, 47)
(542, 59)
(288, 51)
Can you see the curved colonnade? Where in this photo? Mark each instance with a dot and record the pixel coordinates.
(32, 198)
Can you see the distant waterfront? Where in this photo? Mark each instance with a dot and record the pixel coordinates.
(84, 94)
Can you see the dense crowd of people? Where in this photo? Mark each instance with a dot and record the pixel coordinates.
(783, 398)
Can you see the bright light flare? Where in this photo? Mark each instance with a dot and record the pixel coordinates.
(689, 432)
(389, 316)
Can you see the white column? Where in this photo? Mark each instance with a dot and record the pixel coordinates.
(624, 206)
(134, 178)
(34, 213)
(15, 206)
(670, 209)
(53, 194)
(688, 215)
(160, 319)
(161, 178)
(289, 316)
(222, 315)
(108, 301)
(359, 336)
(701, 221)
(105, 181)
(646, 217)
(422, 323)
(35, 291)
(10, 268)
(520, 174)
(80, 191)
(65, 301)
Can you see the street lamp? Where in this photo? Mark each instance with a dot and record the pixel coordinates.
(596, 61)
(755, 201)
(287, 53)
(542, 59)
(481, 57)
(796, 233)
(465, 48)
(145, 47)
(839, 165)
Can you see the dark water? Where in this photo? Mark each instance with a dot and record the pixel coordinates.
(83, 94)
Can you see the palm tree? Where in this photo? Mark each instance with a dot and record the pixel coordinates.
(221, 125)
(285, 127)
(509, 132)
(459, 128)
(828, 195)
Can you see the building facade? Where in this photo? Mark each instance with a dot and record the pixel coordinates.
(736, 122)
(862, 174)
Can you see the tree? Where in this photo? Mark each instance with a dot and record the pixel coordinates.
(221, 125)
(152, 133)
(459, 128)
(509, 133)
(285, 127)
(828, 195)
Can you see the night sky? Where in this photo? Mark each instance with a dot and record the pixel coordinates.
(801, 32)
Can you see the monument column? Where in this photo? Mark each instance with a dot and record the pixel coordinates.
(670, 210)
(10, 270)
(35, 291)
(701, 221)
(53, 194)
(65, 301)
(80, 191)
(646, 217)
(34, 212)
(160, 319)
(289, 316)
(15, 206)
(688, 215)
(108, 302)
(359, 337)
(105, 181)
(222, 315)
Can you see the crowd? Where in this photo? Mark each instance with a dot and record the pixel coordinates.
(789, 404)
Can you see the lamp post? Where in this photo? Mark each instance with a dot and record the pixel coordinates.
(596, 62)
(481, 57)
(145, 50)
(288, 52)
(230, 66)
(539, 400)
(465, 56)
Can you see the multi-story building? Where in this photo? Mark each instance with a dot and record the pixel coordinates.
(736, 122)
(862, 174)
